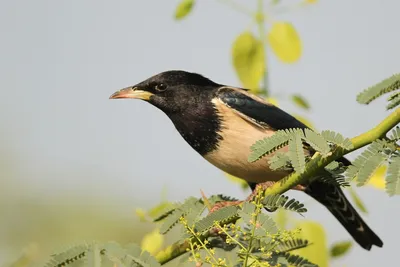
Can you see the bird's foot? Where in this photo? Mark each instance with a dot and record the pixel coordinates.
(222, 204)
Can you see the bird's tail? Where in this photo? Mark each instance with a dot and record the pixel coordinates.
(332, 197)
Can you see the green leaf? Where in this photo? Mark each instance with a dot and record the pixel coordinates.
(69, 255)
(340, 249)
(115, 253)
(265, 225)
(246, 212)
(292, 244)
(300, 101)
(164, 206)
(395, 134)
(393, 177)
(378, 178)
(298, 261)
(296, 153)
(221, 215)
(248, 60)
(317, 142)
(142, 258)
(317, 252)
(183, 9)
(360, 162)
(332, 166)
(279, 161)
(394, 101)
(280, 201)
(152, 241)
(268, 145)
(371, 165)
(388, 85)
(285, 42)
(194, 213)
(172, 217)
(218, 198)
(171, 221)
(335, 179)
(337, 139)
(93, 256)
(281, 218)
(357, 200)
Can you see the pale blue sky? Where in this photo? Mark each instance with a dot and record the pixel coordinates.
(60, 61)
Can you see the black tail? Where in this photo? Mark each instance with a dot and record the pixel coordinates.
(332, 197)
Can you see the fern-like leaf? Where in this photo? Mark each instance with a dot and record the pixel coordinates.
(395, 134)
(222, 215)
(337, 139)
(116, 254)
(292, 244)
(268, 145)
(134, 254)
(298, 261)
(335, 179)
(388, 85)
(172, 219)
(264, 225)
(394, 101)
(69, 256)
(296, 154)
(220, 198)
(360, 162)
(393, 177)
(280, 201)
(371, 164)
(279, 161)
(194, 213)
(317, 142)
(334, 174)
(164, 215)
(93, 258)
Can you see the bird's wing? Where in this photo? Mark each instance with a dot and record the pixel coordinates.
(256, 110)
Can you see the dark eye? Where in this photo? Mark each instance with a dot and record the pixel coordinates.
(161, 87)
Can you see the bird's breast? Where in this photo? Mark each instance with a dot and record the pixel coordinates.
(233, 149)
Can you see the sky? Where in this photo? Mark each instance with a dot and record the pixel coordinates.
(61, 60)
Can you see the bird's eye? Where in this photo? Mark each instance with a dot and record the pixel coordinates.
(161, 87)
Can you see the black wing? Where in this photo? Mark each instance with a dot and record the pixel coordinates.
(258, 110)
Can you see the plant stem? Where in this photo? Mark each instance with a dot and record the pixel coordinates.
(253, 230)
(316, 164)
(237, 7)
(262, 32)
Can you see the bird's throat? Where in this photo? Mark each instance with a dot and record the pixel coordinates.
(199, 127)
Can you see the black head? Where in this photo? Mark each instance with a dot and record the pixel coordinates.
(186, 99)
(171, 91)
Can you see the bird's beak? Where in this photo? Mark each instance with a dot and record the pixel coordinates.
(131, 92)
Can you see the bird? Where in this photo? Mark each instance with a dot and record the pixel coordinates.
(221, 122)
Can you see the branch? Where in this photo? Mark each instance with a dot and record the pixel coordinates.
(316, 164)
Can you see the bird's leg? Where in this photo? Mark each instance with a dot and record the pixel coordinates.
(260, 186)
(264, 186)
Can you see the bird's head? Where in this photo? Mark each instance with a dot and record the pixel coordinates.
(171, 91)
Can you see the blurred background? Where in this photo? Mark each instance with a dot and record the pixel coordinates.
(76, 166)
